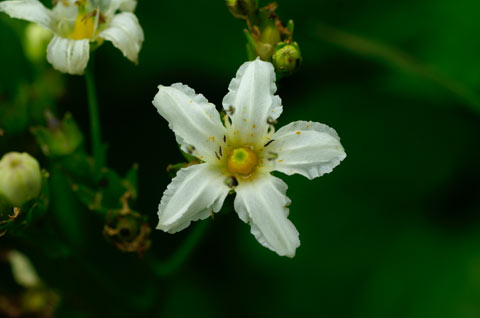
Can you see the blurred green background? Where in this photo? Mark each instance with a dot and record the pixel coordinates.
(394, 231)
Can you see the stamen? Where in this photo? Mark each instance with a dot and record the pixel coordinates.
(268, 143)
(190, 149)
(94, 13)
(86, 24)
(271, 121)
(231, 182)
(272, 155)
(84, 28)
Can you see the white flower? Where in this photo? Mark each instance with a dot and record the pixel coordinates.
(241, 156)
(76, 23)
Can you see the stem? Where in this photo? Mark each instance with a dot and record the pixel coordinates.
(397, 58)
(168, 267)
(95, 131)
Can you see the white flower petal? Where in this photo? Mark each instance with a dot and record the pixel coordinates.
(251, 94)
(68, 56)
(22, 269)
(126, 34)
(64, 15)
(194, 120)
(122, 5)
(193, 194)
(263, 204)
(308, 148)
(30, 10)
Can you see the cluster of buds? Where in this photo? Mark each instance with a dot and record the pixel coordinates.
(267, 36)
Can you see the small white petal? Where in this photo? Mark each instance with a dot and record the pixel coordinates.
(126, 34)
(195, 121)
(64, 15)
(128, 5)
(22, 269)
(68, 56)
(251, 94)
(30, 10)
(308, 148)
(193, 194)
(123, 5)
(263, 204)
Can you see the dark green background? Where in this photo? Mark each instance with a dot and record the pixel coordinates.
(394, 231)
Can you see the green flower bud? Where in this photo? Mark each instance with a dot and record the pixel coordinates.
(242, 9)
(59, 138)
(267, 42)
(287, 58)
(20, 178)
(36, 41)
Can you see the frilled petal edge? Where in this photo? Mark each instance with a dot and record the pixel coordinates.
(307, 148)
(194, 194)
(251, 101)
(29, 10)
(195, 121)
(126, 34)
(263, 204)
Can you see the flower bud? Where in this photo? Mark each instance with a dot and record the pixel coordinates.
(267, 42)
(287, 58)
(59, 138)
(242, 9)
(20, 178)
(36, 40)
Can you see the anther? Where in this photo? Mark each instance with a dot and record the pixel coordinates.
(272, 155)
(190, 149)
(268, 143)
(271, 121)
(231, 182)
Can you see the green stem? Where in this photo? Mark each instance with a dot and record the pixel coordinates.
(174, 263)
(95, 131)
(397, 58)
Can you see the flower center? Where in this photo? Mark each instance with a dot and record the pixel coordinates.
(242, 160)
(84, 27)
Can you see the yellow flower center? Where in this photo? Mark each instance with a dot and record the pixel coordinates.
(84, 27)
(242, 160)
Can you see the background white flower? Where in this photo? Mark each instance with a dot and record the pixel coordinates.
(77, 23)
(241, 155)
